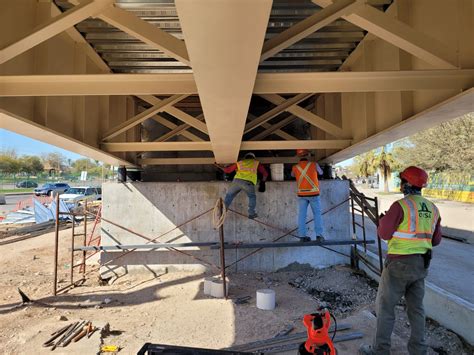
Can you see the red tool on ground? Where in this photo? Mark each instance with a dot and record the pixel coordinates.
(319, 342)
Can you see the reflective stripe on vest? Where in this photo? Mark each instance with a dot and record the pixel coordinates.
(314, 188)
(247, 170)
(414, 234)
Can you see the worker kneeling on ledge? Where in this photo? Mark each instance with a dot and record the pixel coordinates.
(412, 228)
(306, 174)
(245, 179)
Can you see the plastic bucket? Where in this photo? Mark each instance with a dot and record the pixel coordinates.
(277, 172)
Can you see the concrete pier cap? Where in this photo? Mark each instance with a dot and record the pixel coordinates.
(154, 208)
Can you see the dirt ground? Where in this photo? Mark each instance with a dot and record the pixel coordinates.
(172, 309)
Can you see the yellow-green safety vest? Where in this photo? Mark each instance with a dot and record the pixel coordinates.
(414, 234)
(247, 170)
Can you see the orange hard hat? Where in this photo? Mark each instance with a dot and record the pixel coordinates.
(302, 152)
(415, 176)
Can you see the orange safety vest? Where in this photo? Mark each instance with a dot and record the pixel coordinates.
(306, 178)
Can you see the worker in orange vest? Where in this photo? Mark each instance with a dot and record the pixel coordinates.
(306, 174)
(412, 227)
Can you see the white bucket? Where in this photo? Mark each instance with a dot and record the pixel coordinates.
(277, 172)
(266, 299)
(217, 289)
(208, 285)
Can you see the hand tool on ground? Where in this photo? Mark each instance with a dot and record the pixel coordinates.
(56, 335)
(242, 300)
(318, 342)
(76, 331)
(65, 335)
(109, 348)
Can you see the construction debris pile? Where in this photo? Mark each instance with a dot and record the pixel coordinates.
(340, 292)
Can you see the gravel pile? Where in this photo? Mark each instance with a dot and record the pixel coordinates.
(337, 288)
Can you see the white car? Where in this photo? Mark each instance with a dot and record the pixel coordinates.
(75, 195)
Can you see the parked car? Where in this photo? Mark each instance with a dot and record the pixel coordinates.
(26, 184)
(49, 189)
(75, 195)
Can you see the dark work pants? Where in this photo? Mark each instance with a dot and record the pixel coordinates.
(401, 277)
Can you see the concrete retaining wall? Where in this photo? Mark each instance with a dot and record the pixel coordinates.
(444, 307)
(153, 208)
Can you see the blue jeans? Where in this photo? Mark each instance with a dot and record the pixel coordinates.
(315, 203)
(237, 186)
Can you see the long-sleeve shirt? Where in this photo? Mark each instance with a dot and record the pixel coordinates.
(389, 223)
(261, 169)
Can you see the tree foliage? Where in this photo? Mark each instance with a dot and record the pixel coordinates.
(31, 165)
(364, 164)
(54, 160)
(445, 148)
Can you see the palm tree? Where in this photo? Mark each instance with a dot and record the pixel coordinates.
(386, 163)
(365, 164)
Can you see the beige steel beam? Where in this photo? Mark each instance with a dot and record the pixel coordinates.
(182, 129)
(308, 26)
(273, 83)
(206, 146)
(308, 116)
(224, 44)
(143, 116)
(53, 27)
(209, 161)
(97, 84)
(78, 38)
(291, 145)
(181, 115)
(273, 128)
(400, 35)
(177, 130)
(266, 83)
(157, 146)
(172, 126)
(280, 133)
(146, 32)
(281, 107)
(451, 108)
(25, 127)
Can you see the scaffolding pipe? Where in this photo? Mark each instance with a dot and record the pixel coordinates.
(227, 245)
(56, 247)
(222, 247)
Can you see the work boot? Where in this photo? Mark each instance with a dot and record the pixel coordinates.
(366, 350)
(304, 239)
(320, 238)
(253, 216)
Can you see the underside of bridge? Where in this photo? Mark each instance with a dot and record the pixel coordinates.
(182, 84)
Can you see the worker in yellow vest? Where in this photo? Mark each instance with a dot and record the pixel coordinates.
(306, 174)
(412, 227)
(245, 179)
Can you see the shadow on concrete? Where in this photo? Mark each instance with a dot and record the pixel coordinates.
(122, 298)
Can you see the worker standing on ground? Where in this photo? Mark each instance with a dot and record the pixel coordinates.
(412, 227)
(306, 174)
(245, 179)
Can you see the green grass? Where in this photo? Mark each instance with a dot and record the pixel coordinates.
(6, 191)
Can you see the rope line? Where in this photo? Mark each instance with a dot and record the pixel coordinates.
(152, 240)
(286, 233)
(217, 218)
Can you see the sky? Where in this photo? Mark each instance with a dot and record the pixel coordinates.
(27, 146)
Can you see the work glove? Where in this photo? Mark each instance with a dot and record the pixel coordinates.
(261, 186)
